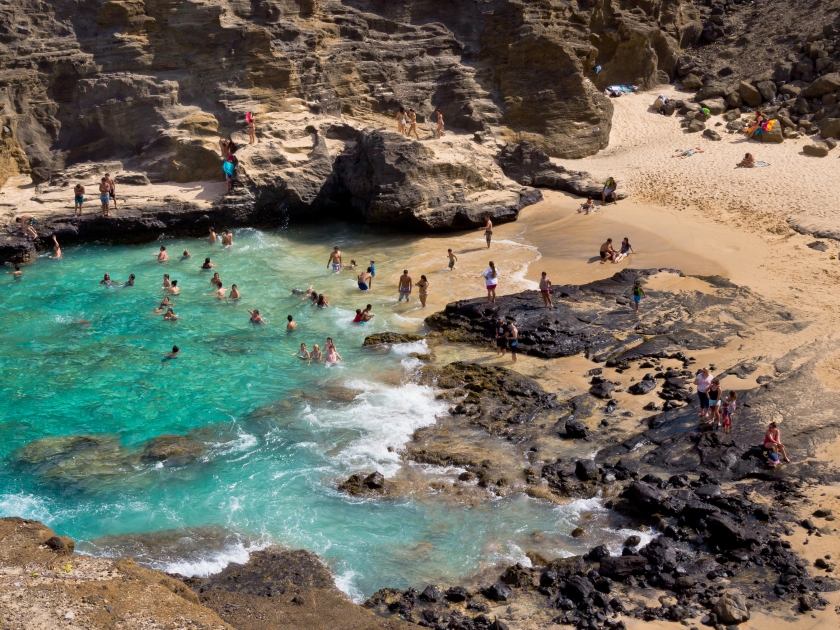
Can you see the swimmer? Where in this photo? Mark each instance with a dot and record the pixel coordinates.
(56, 248)
(219, 293)
(162, 256)
(234, 293)
(17, 273)
(164, 305)
(306, 293)
(130, 281)
(364, 277)
(256, 318)
(313, 298)
(175, 289)
(303, 353)
(166, 282)
(367, 315)
(316, 355)
(423, 286)
(291, 326)
(352, 264)
(207, 265)
(213, 237)
(216, 280)
(227, 239)
(358, 318)
(106, 280)
(372, 273)
(176, 352)
(332, 356)
(335, 260)
(452, 259)
(405, 286)
(322, 301)
(170, 315)
(185, 255)
(329, 344)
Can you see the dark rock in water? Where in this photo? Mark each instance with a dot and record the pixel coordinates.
(431, 594)
(598, 553)
(602, 390)
(361, 484)
(642, 387)
(586, 469)
(622, 567)
(528, 165)
(456, 594)
(498, 592)
(375, 481)
(391, 338)
(632, 541)
(577, 532)
(173, 450)
(819, 246)
(576, 430)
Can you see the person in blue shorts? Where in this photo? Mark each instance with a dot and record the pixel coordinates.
(638, 293)
(335, 260)
(364, 279)
(79, 195)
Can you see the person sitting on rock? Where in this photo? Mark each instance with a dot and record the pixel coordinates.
(774, 438)
(609, 190)
(754, 126)
(26, 222)
(747, 162)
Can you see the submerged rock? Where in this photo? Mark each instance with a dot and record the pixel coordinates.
(173, 450)
(390, 338)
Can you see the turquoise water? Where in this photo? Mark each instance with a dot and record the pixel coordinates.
(274, 435)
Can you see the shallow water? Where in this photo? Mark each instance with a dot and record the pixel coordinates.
(271, 435)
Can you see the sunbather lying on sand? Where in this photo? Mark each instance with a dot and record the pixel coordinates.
(689, 153)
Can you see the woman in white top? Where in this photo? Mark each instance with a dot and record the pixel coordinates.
(491, 279)
(703, 380)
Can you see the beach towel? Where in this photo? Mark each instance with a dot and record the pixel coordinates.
(760, 164)
(618, 90)
(229, 168)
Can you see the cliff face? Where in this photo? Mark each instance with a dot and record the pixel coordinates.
(154, 83)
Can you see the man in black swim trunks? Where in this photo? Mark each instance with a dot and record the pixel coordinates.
(501, 337)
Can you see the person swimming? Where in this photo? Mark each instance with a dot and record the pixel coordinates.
(162, 256)
(175, 289)
(185, 255)
(219, 293)
(303, 292)
(216, 280)
(358, 318)
(234, 293)
(303, 353)
(322, 301)
(256, 318)
(332, 356)
(212, 238)
(316, 355)
(364, 279)
(291, 326)
(166, 282)
(130, 281)
(164, 305)
(176, 352)
(207, 265)
(106, 280)
(170, 315)
(17, 273)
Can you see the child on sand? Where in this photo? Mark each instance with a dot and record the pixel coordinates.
(587, 207)
(545, 291)
(638, 293)
(452, 259)
(728, 410)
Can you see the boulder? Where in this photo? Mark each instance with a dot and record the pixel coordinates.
(816, 149)
(716, 106)
(782, 73)
(603, 389)
(576, 430)
(498, 592)
(691, 82)
(456, 594)
(750, 94)
(767, 90)
(527, 164)
(622, 567)
(646, 386)
(774, 135)
(825, 84)
(734, 100)
(830, 128)
(577, 588)
(586, 470)
(711, 134)
(390, 338)
(696, 126)
(731, 608)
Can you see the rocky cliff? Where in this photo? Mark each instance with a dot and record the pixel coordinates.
(154, 84)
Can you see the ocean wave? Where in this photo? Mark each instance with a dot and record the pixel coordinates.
(26, 506)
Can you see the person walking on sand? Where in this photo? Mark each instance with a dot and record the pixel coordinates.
(252, 127)
(79, 199)
(439, 124)
(27, 223)
(112, 193)
(256, 318)
(213, 237)
(412, 123)
(513, 340)
(545, 290)
(363, 279)
(423, 290)
(638, 294)
(491, 280)
(405, 286)
(501, 337)
(452, 259)
(56, 248)
(774, 438)
(609, 190)
(728, 410)
(335, 260)
(401, 120)
(488, 231)
(162, 256)
(703, 380)
(105, 196)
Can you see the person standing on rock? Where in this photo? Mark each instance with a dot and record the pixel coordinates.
(252, 127)
(423, 287)
(703, 381)
(491, 280)
(335, 260)
(113, 192)
(513, 340)
(488, 231)
(401, 118)
(405, 286)
(79, 199)
(105, 196)
(609, 190)
(412, 123)
(501, 337)
(638, 294)
(439, 124)
(545, 290)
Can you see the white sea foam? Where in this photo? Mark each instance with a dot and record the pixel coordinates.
(214, 562)
(344, 583)
(26, 506)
